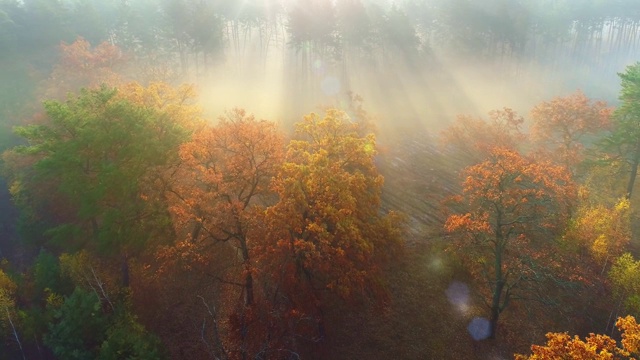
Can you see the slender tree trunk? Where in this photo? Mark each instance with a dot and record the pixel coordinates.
(248, 282)
(499, 278)
(497, 295)
(15, 333)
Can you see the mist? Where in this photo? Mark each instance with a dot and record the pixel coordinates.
(414, 62)
(126, 201)
(420, 77)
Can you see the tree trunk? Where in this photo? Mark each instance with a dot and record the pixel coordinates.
(248, 284)
(15, 333)
(493, 323)
(248, 288)
(495, 303)
(499, 279)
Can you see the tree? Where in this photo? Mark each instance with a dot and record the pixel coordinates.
(223, 184)
(82, 65)
(206, 31)
(217, 194)
(176, 13)
(354, 25)
(103, 154)
(474, 138)
(563, 124)
(399, 35)
(138, 27)
(78, 328)
(594, 347)
(326, 236)
(312, 24)
(127, 338)
(94, 320)
(509, 207)
(496, 29)
(625, 278)
(624, 140)
(83, 329)
(604, 231)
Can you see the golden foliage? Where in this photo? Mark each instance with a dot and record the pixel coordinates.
(604, 231)
(176, 104)
(326, 231)
(594, 347)
(625, 276)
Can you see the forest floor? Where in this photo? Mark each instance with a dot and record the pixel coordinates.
(425, 318)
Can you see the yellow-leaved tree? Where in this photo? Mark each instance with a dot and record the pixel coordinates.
(326, 237)
(604, 231)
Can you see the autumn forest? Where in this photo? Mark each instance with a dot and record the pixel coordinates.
(319, 179)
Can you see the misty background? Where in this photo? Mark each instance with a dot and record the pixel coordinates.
(412, 61)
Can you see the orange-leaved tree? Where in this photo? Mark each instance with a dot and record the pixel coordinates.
(504, 221)
(82, 65)
(474, 138)
(594, 347)
(326, 237)
(222, 184)
(562, 125)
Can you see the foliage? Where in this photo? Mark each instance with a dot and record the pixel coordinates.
(625, 277)
(476, 137)
(82, 65)
(102, 153)
(624, 140)
(83, 329)
(176, 104)
(312, 23)
(326, 235)
(561, 126)
(594, 347)
(128, 339)
(603, 231)
(510, 204)
(225, 171)
(79, 326)
(223, 183)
